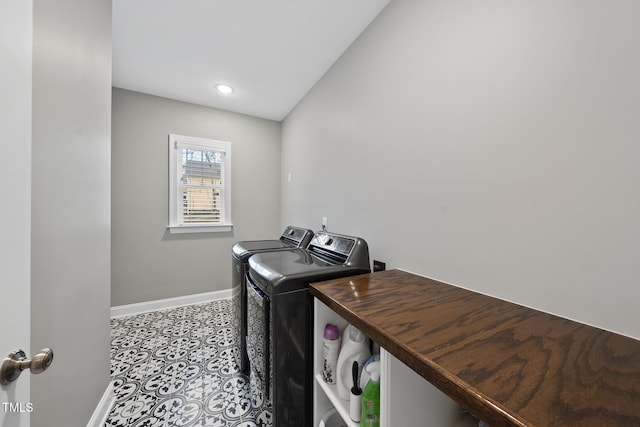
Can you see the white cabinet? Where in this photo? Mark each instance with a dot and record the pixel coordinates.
(406, 399)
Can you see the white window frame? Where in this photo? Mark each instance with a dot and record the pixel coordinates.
(176, 225)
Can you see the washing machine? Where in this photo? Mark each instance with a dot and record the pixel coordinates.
(280, 319)
(292, 237)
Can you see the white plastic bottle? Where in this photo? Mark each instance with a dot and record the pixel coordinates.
(355, 347)
(330, 350)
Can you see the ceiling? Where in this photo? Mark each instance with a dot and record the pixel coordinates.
(272, 52)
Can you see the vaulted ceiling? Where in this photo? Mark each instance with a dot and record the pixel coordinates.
(270, 51)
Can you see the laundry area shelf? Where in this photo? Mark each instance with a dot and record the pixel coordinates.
(508, 365)
(342, 406)
(406, 399)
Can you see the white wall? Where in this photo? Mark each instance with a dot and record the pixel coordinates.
(149, 263)
(70, 207)
(15, 168)
(493, 145)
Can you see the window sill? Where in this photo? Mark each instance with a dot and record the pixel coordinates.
(199, 228)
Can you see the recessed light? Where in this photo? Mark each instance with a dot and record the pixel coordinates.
(224, 88)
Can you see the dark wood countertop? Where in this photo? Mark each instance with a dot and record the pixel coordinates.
(508, 365)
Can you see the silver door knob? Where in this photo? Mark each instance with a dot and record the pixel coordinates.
(16, 362)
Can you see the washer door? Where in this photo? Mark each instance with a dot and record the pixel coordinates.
(258, 336)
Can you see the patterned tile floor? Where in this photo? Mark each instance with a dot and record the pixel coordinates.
(179, 367)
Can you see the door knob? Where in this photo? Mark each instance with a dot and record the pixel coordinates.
(16, 362)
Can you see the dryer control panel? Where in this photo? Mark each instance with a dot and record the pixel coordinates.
(339, 249)
(340, 244)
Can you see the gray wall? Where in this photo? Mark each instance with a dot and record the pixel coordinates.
(70, 207)
(493, 145)
(149, 263)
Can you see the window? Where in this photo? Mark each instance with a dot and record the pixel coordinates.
(199, 185)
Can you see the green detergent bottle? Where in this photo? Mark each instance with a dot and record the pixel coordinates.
(371, 398)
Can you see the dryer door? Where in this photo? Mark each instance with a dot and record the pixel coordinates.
(258, 336)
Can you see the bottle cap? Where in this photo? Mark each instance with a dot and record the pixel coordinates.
(373, 369)
(355, 334)
(331, 332)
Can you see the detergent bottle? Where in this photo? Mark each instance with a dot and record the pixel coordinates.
(330, 350)
(370, 416)
(355, 347)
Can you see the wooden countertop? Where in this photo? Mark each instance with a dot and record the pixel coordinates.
(507, 364)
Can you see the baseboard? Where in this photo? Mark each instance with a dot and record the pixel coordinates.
(100, 415)
(163, 304)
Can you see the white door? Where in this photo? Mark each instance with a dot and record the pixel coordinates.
(15, 199)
